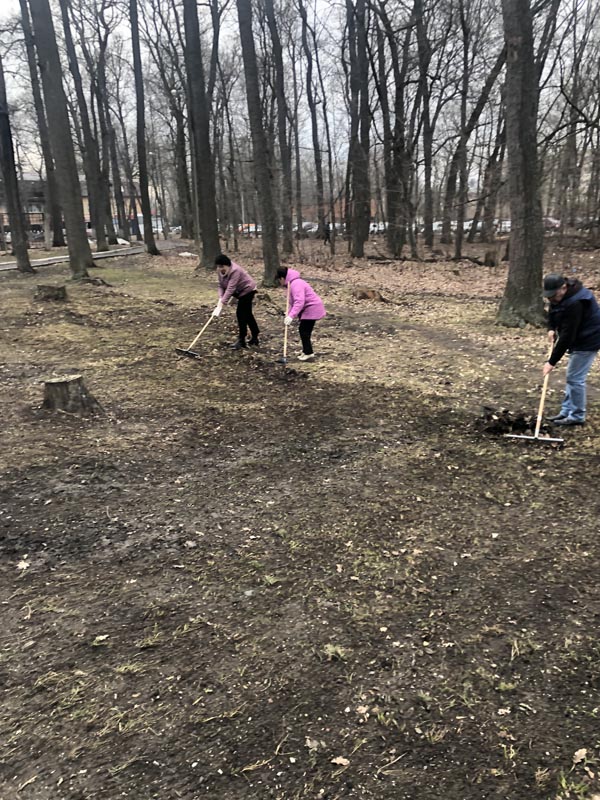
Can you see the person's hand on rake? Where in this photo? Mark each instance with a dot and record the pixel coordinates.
(288, 321)
(218, 309)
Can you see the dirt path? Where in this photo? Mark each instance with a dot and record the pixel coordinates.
(244, 581)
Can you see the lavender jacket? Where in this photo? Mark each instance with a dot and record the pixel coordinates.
(305, 303)
(235, 284)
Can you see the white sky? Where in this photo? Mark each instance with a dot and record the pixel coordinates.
(8, 8)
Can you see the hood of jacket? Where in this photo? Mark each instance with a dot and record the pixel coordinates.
(292, 275)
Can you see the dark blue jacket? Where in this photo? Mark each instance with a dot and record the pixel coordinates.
(576, 319)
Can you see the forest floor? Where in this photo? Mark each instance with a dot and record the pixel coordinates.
(251, 581)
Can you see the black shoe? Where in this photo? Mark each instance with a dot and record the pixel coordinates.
(239, 345)
(568, 421)
(253, 342)
(557, 417)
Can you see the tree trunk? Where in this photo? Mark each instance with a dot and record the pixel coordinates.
(284, 147)
(424, 49)
(80, 256)
(90, 151)
(359, 126)
(312, 104)
(397, 159)
(124, 229)
(52, 205)
(182, 181)
(204, 169)
(141, 130)
(11, 184)
(297, 162)
(259, 144)
(522, 300)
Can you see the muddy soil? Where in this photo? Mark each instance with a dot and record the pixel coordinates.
(248, 580)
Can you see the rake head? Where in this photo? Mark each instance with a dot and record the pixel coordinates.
(542, 439)
(189, 353)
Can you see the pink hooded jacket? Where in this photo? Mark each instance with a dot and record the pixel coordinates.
(305, 303)
(236, 284)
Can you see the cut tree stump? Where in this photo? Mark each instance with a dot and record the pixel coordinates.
(50, 292)
(69, 394)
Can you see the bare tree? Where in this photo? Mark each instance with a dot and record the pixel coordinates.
(61, 143)
(282, 115)
(522, 300)
(52, 206)
(90, 150)
(360, 123)
(141, 130)
(259, 143)
(203, 164)
(11, 183)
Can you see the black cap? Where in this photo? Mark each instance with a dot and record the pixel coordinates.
(552, 284)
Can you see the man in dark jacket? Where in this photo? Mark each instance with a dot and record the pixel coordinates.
(573, 327)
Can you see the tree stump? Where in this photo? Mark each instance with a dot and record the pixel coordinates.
(69, 394)
(50, 293)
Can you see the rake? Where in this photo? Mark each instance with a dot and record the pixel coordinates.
(188, 351)
(283, 359)
(538, 424)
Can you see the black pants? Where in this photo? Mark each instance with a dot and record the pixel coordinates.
(245, 317)
(305, 329)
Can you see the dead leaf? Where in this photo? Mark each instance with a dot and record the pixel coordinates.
(579, 755)
(343, 762)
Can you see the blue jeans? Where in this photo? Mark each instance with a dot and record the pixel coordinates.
(580, 363)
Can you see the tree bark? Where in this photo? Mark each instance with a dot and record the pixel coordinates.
(312, 104)
(204, 169)
(259, 144)
(69, 394)
(284, 147)
(61, 143)
(52, 204)
(11, 184)
(359, 126)
(522, 300)
(90, 152)
(141, 130)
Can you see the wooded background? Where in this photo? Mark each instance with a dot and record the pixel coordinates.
(449, 118)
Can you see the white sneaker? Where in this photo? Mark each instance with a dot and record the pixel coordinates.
(306, 357)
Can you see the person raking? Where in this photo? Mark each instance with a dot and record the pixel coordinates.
(573, 327)
(305, 304)
(234, 281)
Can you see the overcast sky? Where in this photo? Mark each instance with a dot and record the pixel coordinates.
(8, 7)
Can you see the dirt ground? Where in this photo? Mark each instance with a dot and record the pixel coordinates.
(247, 581)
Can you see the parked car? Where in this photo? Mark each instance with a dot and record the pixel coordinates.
(250, 229)
(502, 225)
(551, 224)
(377, 227)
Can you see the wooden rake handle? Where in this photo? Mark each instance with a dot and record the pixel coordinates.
(204, 327)
(285, 327)
(540, 414)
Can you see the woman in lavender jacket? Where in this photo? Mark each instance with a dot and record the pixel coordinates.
(235, 282)
(305, 304)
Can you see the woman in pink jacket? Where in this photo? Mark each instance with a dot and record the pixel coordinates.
(235, 282)
(305, 304)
